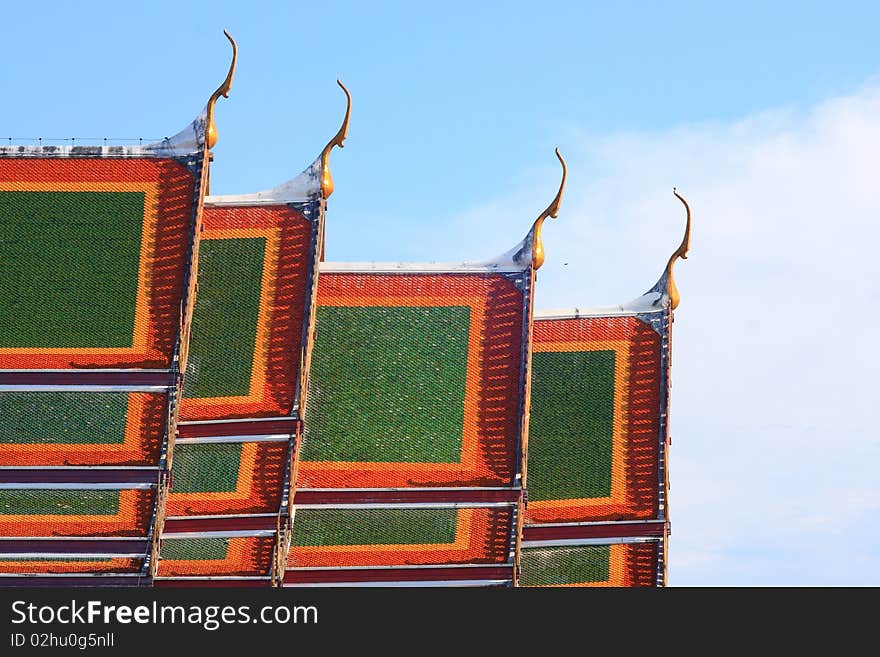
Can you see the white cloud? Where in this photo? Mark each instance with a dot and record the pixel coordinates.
(776, 364)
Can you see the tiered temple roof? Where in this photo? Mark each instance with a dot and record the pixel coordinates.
(99, 246)
(229, 505)
(189, 396)
(598, 438)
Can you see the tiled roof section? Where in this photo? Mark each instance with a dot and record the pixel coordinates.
(615, 565)
(256, 270)
(57, 512)
(103, 565)
(410, 465)
(596, 474)
(243, 393)
(102, 251)
(227, 478)
(356, 537)
(101, 245)
(594, 432)
(241, 399)
(415, 382)
(213, 556)
(75, 428)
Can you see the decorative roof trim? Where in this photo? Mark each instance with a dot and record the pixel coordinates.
(406, 505)
(680, 252)
(213, 578)
(665, 294)
(243, 533)
(530, 251)
(446, 583)
(575, 542)
(67, 485)
(551, 211)
(222, 90)
(339, 138)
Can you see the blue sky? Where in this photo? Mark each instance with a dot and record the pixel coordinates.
(765, 115)
(462, 93)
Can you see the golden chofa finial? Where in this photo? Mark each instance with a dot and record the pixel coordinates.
(551, 211)
(222, 90)
(680, 252)
(338, 140)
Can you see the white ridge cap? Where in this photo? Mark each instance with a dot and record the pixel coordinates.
(304, 187)
(418, 267)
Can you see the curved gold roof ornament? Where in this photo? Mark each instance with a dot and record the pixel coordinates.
(338, 140)
(551, 211)
(680, 252)
(222, 90)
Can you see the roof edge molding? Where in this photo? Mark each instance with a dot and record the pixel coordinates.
(466, 267)
(339, 138)
(680, 252)
(530, 251)
(222, 90)
(313, 182)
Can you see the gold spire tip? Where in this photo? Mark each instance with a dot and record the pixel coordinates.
(680, 252)
(222, 90)
(338, 140)
(551, 211)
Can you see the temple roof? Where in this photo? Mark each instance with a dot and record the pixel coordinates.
(189, 394)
